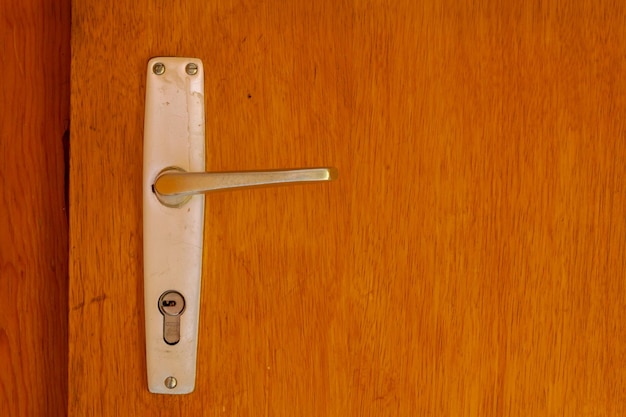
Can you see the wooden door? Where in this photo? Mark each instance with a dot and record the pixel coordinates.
(470, 259)
(34, 118)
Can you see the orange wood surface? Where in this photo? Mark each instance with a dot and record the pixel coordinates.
(469, 261)
(34, 114)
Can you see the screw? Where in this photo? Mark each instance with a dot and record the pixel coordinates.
(191, 68)
(158, 68)
(171, 382)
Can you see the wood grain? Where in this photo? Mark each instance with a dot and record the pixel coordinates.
(34, 114)
(470, 259)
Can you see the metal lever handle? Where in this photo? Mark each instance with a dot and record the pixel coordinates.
(173, 186)
(174, 164)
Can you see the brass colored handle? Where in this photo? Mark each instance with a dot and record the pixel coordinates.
(173, 186)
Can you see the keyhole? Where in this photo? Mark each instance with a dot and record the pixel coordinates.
(171, 305)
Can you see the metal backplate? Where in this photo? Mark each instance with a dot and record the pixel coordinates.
(173, 236)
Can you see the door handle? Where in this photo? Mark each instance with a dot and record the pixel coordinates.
(174, 184)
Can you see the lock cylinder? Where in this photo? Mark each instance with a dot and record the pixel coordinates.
(172, 306)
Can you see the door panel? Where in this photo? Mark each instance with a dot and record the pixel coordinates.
(34, 118)
(469, 261)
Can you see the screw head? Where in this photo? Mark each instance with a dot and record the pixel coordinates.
(191, 68)
(170, 382)
(158, 68)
